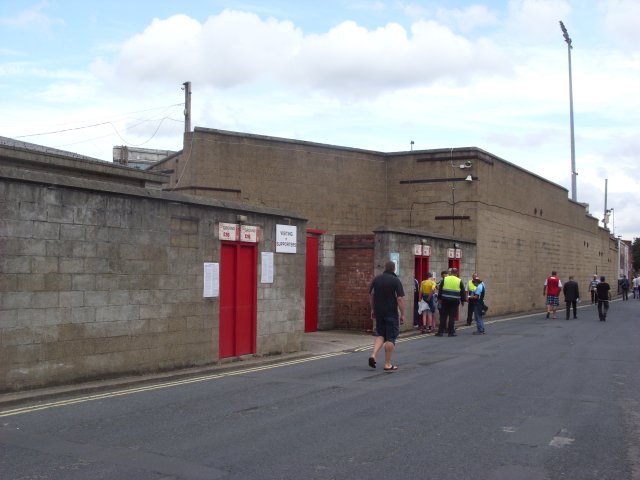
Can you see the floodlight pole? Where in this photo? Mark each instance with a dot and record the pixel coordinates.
(567, 39)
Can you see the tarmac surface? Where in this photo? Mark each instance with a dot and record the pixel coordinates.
(313, 344)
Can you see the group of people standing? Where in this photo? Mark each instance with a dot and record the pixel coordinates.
(388, 305)
(599, 289)
(624, 284)
(445, 297)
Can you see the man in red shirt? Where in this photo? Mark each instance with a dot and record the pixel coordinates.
(552, 289)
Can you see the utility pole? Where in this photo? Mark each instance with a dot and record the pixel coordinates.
(567, 39)
(605, 221)
(187, 106)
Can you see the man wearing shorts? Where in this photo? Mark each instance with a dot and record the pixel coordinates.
(427, 289)
(552, 289)
(386, 297)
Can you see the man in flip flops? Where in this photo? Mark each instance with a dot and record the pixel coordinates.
(386, 297)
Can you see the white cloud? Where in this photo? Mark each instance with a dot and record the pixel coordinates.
(468, 19)
(236, 48)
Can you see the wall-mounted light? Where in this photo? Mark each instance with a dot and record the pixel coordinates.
(242, 219)
(469, 178)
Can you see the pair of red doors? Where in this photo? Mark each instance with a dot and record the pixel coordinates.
(238, 298)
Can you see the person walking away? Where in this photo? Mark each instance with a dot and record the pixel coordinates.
(427, 290)
(603, 293)
(478, 304)
(471, 286)
(624, 286)
(450, 296)
(571, 296)
(592, 288)
(386, 297)
(552, 288)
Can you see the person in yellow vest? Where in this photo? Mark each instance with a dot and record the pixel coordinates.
(471, 288)
(427, 289)
(450, 296)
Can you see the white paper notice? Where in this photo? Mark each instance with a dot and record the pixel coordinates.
(211, 280)
(267, 267)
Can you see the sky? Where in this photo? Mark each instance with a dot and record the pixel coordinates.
(85, 76)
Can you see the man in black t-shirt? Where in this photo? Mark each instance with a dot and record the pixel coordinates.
(386, 297)
(603, 294)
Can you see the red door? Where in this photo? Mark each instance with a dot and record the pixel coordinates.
(238, 299)
(421, 268)
(455, 263)
(311, 285)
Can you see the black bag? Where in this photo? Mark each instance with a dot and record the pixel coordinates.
(485, 307)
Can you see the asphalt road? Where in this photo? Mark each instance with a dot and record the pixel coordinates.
(532, 399)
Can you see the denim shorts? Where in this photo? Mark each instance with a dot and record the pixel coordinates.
(388, 327)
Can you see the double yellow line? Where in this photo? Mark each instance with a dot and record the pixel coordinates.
(158, 386)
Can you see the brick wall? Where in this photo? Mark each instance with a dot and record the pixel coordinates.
(354, 272)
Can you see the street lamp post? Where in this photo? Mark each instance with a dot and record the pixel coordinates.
(567, 39)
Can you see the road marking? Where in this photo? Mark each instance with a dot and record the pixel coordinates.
(158, 386)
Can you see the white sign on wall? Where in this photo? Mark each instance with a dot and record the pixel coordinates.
(211, 280)
(267, 268)
(228, 231)
(395, 258)
(248, 233)
(286, 238)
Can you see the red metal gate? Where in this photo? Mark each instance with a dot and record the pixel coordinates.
(311, 284)
(238, 299)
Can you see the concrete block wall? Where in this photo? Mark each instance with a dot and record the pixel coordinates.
(100, 280)
(519, 251)
(280, 315)
(325, 184)
(327, 282)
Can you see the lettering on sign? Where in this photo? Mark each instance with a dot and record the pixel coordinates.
(458, 253)
(286, 238)
(249, 233)
(228, 231)
(417, 250)
(451, 253)
(426, 251)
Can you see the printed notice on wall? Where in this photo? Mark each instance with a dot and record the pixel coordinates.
(286, 238)
(395, 258)
(267, 267)
(211, 280)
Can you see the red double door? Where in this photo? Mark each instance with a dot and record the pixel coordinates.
(238, 299)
